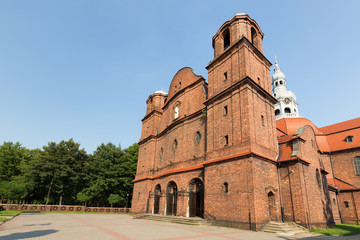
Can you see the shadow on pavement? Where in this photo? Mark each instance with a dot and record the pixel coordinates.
(43, 224)
(25, 235)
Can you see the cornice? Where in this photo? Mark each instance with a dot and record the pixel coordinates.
(151, 113)
(244, 41)
(238, 84)
(207, 163)
(172, 125)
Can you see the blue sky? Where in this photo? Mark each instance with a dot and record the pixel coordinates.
(83, 69)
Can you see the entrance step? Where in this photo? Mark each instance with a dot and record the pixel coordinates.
(286, 228)
(173, 219)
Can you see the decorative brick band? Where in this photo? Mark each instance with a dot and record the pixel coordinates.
(196, 167)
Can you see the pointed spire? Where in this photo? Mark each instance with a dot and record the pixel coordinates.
(277, 67)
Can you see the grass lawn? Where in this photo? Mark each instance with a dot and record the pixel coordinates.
(3, 219)
(340, 230)
(10, 213)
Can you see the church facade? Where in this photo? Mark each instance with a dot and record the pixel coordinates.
(235, 150)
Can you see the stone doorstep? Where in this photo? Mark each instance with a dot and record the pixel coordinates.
(174, 219)
(287, 228)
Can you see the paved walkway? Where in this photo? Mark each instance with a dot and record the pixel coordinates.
(59, 226)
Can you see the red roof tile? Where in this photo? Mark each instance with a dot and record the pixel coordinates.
(342, 126)
(291, 125)
(285, 152)
(341, 184)
(337, 141)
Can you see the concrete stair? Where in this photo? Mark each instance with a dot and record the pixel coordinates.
(173, 219)
(286, 228)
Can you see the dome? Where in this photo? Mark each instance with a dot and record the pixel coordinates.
(290, 126)
(278, 74)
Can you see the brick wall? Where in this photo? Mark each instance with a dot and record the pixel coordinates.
(62, 208)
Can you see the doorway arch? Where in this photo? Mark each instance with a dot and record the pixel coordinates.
(157, 194)
(196, 198)
(171, 198)
(272, 209)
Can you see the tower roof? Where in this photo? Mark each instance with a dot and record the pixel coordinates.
(278, 74)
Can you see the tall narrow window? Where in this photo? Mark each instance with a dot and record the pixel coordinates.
(277, 112)
(226, 36)
(226, 187)
(253, 36)
(225, 110)
(161, 153)
(226, 140)
(357, 165)
(346, 204)
(262, 120)
(175, 144)
(318, 178)
(225, 76)
(198, 137)
(176, 112)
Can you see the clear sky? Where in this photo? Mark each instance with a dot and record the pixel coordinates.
(83, 69)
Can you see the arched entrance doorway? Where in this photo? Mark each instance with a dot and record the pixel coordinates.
(272, 209)
(171, 198)
(157, 194)
(196, 198)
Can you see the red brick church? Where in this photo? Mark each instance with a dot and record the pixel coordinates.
(235, 150)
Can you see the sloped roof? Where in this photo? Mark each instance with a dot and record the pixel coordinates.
(336, 134)
(341, 126)
(343, 186)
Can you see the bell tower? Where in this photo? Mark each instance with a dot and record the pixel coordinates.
(240, 102)
(241, 133)
(287, 106)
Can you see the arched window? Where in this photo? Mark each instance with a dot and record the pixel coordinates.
(276, 83)
(253, 35)
(198, 137)
(226, 187)
(226, 36)
(226, 140)
(175, 144)
(280, 82)
(161, 152)
(287, 110)
(318, 178)
(176, 112)
(277, 112)
(357, 165)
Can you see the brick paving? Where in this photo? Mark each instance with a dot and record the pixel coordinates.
(59, 226)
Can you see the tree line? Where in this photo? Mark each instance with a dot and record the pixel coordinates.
(63, 173)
